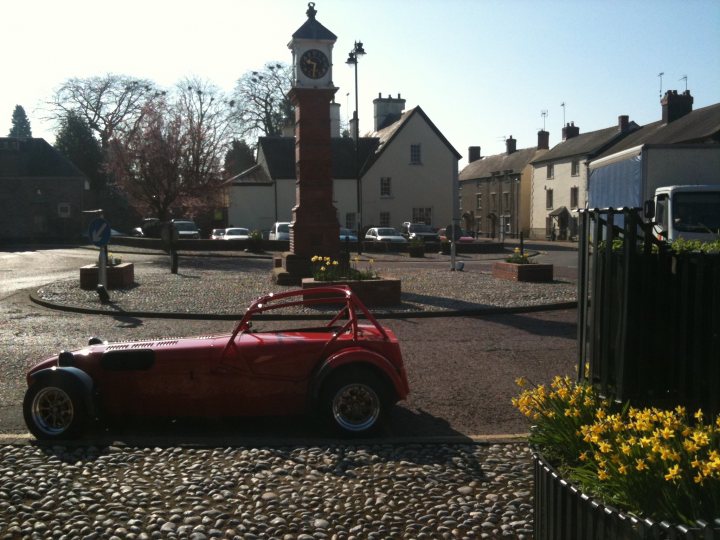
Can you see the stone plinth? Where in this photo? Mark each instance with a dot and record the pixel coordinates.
(119, 276)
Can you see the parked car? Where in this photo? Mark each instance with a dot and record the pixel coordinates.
(186, 229)
(421, 231)
(217, 234)
(348, 371)
(465, 237)
(384, 234)
(236, 233)
(347, 235)
(150, 228)
(280, 231)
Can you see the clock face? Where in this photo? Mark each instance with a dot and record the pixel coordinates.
(314, 64)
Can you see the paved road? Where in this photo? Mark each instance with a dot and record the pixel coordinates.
(461, 369)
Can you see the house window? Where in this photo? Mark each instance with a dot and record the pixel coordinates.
(550, 170)
(478, 201)
(384, 219)
(422, 215)
(549, 199)
(415, 154)
(350, 221)
(575, 168)
(493, 202)
(385, 187)
(506, 202)
(573, 197)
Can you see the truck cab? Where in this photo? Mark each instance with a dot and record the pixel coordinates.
(690, 212)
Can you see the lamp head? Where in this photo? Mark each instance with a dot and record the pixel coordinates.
(359, 48)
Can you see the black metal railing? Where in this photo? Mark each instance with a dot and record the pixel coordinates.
(648, 318)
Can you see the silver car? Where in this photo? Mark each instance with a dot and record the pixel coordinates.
(384, 234)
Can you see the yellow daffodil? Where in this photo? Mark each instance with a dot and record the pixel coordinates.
(673, 473)
(640, 464)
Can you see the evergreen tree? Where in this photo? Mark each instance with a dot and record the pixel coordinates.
(239, 158)
(20, 124)
(76, 142)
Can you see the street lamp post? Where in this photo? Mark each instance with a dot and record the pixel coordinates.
(352, 60)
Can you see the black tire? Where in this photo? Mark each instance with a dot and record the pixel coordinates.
(55, 410)
(354, 401)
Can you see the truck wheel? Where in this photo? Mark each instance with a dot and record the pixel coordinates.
(54, 410)
(354, 402)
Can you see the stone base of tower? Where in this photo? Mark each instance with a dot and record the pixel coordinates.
(290, 268)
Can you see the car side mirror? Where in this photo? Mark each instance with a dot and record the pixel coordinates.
(649, 209)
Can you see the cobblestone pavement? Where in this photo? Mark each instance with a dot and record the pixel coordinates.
(304, 493)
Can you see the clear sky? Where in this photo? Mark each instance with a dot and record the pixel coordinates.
(481, 69)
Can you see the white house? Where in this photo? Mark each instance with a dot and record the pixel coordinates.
(408, 172)
(559, 178)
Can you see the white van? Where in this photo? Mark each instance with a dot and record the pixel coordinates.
(280, 231)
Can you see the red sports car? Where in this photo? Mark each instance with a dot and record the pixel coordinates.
(347, 371)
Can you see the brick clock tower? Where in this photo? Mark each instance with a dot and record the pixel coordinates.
(314, 229)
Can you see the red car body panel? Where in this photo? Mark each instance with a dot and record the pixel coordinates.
(240, 374)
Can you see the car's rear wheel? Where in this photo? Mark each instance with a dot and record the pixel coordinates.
(354, 401)
(54, 410)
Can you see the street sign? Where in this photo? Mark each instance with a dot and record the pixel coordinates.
(99, 232)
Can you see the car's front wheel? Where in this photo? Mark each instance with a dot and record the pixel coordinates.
(354, 401)
(54, 410)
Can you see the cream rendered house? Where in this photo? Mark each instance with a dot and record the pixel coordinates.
(408, 172)
(559, 179)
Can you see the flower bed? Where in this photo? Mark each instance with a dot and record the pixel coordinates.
(661, 465)
(523, 272)
(119, 276)
(372, 292)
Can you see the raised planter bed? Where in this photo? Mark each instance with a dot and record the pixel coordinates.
(372, 292)
(522, 272)
(562, 511)
(119, 276)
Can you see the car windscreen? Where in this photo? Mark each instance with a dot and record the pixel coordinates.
(387, 232)
(185, 226)
(284, 227)
(237, 232)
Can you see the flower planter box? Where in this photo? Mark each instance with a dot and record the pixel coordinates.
(119, 276)
(372, 292)
(522, 272)
(561, 510)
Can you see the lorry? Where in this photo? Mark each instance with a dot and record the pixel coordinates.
(677, 186)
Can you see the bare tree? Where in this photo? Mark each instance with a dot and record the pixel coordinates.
(261, 103)
(205, 114)
(172, 161)
(110, 105)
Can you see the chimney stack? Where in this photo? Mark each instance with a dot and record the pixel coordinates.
(510, 145)
(543, 140)
(473, 153)
(387, 110)
(675, 105)
(334, 119)
(623, 123)
(570, 131)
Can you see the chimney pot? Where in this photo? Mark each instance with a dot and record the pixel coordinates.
(473, 153)
(570, 131)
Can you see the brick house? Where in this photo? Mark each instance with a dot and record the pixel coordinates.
(41, 193)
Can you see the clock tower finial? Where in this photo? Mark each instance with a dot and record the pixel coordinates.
(311, 11)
